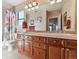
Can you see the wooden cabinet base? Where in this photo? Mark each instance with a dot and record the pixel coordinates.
(49, 48)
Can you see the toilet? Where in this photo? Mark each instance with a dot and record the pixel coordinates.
(10, 44)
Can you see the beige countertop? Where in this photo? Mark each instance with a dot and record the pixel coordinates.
(51, 34)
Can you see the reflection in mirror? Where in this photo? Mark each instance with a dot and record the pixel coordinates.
(48, 9)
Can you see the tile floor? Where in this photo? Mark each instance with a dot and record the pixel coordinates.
(12, 54)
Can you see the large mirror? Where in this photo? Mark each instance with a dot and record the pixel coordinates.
(47, 15)
(53, 16)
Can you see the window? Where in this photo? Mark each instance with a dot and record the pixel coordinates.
(20, 18)
(21, 14)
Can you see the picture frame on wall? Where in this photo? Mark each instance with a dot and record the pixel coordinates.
(68, 23)
(39, 19)
(31, 22)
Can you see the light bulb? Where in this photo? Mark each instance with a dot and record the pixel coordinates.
(29, 9)
(32, 8)
(36, 7)
(26, 6)
(59, 1)
(30, 5)
(34, 3)
(52, 2)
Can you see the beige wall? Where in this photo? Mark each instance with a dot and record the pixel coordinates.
(69, 6)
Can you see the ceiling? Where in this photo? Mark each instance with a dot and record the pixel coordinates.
(9, 3)
(13, 2)
(49, 7)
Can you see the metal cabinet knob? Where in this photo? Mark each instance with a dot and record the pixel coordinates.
(67, 49)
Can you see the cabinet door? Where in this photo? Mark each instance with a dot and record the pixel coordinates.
(38, 53)
(20, 47)
(70, 53)
(28, 49)
(56, 52)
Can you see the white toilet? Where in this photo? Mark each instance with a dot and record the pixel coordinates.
(10, 44)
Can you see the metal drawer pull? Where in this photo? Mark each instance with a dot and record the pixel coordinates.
(62, 43)
(38, 53)
(54, 41)
(39, 38)
(62, 48)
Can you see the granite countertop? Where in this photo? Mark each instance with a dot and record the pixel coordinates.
(52, 34)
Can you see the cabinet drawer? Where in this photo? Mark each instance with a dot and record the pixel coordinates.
(39, 45)
(55, 42)
(71, 43)
(38, 39)
(38, 53)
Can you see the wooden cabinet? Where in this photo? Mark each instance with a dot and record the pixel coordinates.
(39, 45)
(56, 48)
(62, 49)
(20, 46)
(62, 53)
(49, 48)
(20, 49)
(28, 48)
(38, 53)
(24, 46)
(70, 53)
(70, 49)
(70, 43)
(55, 42)
(56, 52)
(38, 39)
(38, 48)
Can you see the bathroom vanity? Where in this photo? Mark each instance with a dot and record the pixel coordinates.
(43, 45)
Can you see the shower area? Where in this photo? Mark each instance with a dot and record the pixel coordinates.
(8, 27)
